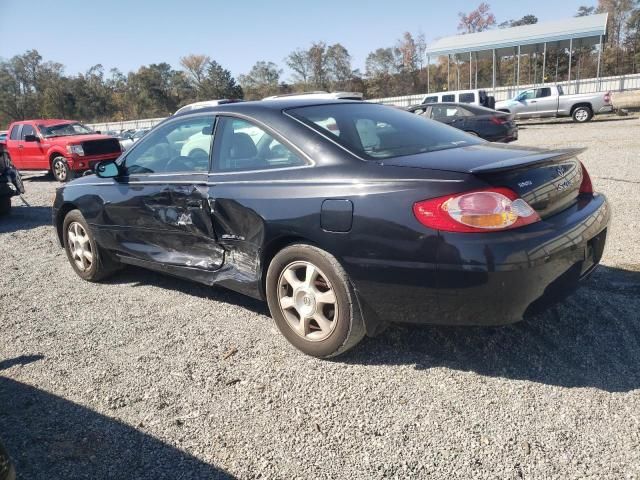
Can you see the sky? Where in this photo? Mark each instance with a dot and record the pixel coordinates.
(127, 34)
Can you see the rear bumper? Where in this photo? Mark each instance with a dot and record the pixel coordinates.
(494, 278)
(605, 109)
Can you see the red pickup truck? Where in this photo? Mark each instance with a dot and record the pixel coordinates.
(64, 147)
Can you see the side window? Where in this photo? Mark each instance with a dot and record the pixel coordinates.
(15, 132)
(433, 99)
(543, 92)
(447, 111)
(180, 146)
(243, 146)
(449, 98)
(527, 95)
(27, 130)
(467, 97)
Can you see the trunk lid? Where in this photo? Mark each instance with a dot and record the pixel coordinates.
(548, 180)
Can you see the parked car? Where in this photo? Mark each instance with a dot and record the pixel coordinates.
(3, 137)
(318, 95)
(477, 97)
(387, 217)
(10, 181)
(480, 121)
(550, 101)
(129, 137)
(63, 147)
(7, 470)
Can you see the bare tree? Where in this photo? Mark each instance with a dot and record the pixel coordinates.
(477, 20)
(196, 67)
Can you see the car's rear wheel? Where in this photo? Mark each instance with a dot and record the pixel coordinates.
(88, 260)
(312, 301)
(582, 114)
(60, 169)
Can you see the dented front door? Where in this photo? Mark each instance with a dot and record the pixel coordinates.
(165, 219)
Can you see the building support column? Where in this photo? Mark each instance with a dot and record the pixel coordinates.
(599, 56)
(470, 85)
(493, 83)
(448, 72)
(544, 61)
(476, 69)
(428, 68)
(518, 74)
(570, 58)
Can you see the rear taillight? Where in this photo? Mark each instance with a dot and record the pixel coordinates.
(489, 210)
(586, 187)
(499, 120)
(607, 97)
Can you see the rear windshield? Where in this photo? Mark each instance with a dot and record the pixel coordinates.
(375, 132)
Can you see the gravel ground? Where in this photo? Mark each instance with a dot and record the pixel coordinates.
(151, 377)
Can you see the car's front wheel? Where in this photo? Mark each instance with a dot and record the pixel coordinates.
(88, 260)
(312, 301)
(60, 169)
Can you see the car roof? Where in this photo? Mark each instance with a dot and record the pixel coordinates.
(272, 105)
(48, 121)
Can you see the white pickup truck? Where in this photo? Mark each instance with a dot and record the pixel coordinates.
(550, 101)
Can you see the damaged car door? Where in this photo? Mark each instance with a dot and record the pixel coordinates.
(160, 215)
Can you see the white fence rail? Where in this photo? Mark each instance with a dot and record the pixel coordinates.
(126, 124)
(619, 83)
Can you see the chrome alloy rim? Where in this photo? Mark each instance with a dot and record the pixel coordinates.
(79, 246)
(581, 115)
(59, 169)
(307, 301)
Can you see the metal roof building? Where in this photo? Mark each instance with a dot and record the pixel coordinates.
(570, 33)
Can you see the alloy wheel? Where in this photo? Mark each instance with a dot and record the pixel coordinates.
(582, 115)
(307, 301)
(79, 246)
(60, 170)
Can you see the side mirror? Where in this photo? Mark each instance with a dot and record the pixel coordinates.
(98, 131)
(31, 138)
(107, 169)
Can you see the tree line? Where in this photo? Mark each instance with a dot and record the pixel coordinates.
(32, 87)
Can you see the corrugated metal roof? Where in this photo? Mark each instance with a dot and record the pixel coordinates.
(591, 26)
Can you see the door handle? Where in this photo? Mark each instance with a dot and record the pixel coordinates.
(534, 101)
(20, 146)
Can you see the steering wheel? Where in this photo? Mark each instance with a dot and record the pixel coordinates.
(198, 160)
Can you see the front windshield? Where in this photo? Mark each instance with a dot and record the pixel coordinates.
(64, 130)
(375, 132)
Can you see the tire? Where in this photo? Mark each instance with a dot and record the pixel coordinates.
(78, 239)
(582, 114)
(60, 169)
(320, 316)
(5, 205)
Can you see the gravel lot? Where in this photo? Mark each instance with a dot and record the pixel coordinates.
(151, 377)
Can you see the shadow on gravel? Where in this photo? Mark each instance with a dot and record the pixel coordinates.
(21, 360)
(49, 437)
(43, 176)
(592, 339)
(22, 217)
(140, 276)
